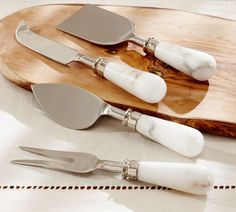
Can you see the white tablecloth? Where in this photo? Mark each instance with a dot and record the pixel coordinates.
(22, 124)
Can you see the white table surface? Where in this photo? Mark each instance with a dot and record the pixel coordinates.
(22, 124)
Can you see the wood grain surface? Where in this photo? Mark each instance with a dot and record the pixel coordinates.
(208, 106)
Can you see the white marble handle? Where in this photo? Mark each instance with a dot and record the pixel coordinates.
(182, 139)
(189, 178)
(146, 86)
(199, 65)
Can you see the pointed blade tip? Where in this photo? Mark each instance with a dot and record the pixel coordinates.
(37, 86)
(23, 26)
(25, 148)
(34, 87)
(15, 162)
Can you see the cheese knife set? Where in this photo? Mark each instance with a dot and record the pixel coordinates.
(77, 108)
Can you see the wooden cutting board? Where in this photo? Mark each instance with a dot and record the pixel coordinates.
(208, 106)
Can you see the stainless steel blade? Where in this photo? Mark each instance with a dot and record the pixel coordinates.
(69, 106)
(98, 26)
(51, 49)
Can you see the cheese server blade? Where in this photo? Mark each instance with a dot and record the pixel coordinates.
(77, 108)
(103, 27)
(69, 106)
(146, 86)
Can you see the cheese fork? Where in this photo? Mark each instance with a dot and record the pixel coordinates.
(190, 178)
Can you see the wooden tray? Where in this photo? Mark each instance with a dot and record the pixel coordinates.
(208, 106)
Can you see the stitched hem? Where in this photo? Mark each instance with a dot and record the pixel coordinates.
(98, 187)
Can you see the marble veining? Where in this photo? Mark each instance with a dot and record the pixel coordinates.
(182, 139)
(191, 178)
(199, 65)
(146, 86)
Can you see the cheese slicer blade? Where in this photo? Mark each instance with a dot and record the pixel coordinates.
(76, 108)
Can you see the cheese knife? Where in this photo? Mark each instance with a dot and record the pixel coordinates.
(146, 86)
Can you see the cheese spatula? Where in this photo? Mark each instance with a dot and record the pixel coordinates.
(103, 27)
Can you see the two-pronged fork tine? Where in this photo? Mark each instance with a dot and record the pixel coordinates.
(79, 162)
(60, 165)
(63, 155)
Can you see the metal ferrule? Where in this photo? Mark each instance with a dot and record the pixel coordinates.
(130, 169)
(99, 66)
(150, 46)
(129, 118)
